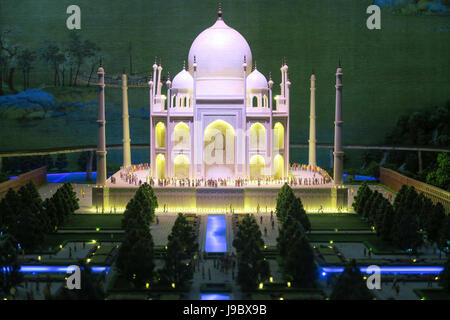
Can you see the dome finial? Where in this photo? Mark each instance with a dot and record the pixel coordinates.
(340, 62)
(219, 12)
(254, 66)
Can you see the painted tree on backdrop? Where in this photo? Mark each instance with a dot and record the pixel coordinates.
(252, 267)
(351, 285)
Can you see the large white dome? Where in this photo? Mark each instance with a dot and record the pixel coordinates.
(219, 52)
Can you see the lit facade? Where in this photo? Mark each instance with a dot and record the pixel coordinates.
(218, 117)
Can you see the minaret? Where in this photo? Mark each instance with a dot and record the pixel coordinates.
(338, 153)
(126, 124)
(155, 67)
(101, 135)
(312, 123)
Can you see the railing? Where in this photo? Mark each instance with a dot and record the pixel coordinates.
(395, 180)
(38, 176)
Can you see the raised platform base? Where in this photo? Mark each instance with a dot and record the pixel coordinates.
(222, 200)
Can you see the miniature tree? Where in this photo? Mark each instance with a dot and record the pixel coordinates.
(351, 285)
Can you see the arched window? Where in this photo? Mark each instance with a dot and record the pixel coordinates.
(160, 131)
(160, 166)
(278, 166)
(255, 101)
(257, 166)
(181, 166)
(181, 136)
(278, 136)
(257, 137)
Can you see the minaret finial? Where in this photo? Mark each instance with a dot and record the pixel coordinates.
(270, 75)
(156, 59)
(184, 65)
(101, 61)
(160, 62)
(340, 63)
(254, 66)
(312, 71)
(195, 59)
(168, 76)
(219, 12)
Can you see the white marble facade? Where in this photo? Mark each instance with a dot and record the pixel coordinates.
(218, 117)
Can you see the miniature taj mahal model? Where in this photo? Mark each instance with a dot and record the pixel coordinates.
(219, 137)
(218, 120)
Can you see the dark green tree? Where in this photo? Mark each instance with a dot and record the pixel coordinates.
(252, 267)
(91, 287)
(440, 177)
(406, 233)
(9, 266)
(284, 199)
(298, 262)
(434, 222)
(361, 197)
(144, 204)
(8, 210)
(289, 205)
(135, 258)
(444, 277)
(351, 285)
(181, 247)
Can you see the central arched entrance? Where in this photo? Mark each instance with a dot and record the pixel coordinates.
(219, 150)
(181, 166)
(257, 167)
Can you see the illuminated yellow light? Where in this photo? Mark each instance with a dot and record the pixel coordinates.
(414, 260)
(173, 285)
(94, 241)
(147, 285)
(281, 298)
(39, 258)
(97, 229)
(60, 246)
(261, 286)
(271, 279)
(88, 260)
(437, 278)
(289, 284)
(331, 241)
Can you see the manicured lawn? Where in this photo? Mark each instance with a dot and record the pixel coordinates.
(370, 240)
(93, 221)
(432, 294)
(337, 221)
(54, 240)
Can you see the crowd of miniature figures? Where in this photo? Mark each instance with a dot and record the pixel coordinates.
(130, 176)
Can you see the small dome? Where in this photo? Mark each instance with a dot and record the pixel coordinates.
(183, 80)
(256, 80)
